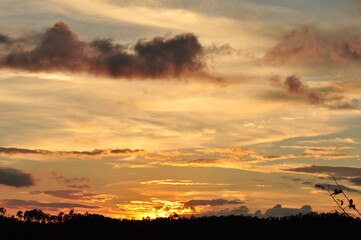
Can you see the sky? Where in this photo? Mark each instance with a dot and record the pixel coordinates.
(147, 108)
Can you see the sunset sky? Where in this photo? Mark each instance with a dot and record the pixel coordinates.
(208, 107)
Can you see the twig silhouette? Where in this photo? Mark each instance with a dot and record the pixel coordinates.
(349, 200)
(339, 202)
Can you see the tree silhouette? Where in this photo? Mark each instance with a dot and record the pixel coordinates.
(60, 217)
(19, 215)
(2, 211)
(95, 226)
(35, 215)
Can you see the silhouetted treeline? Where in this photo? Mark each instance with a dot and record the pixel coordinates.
(35, 224)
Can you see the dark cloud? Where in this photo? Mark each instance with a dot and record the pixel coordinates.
(15, 178)
(293, 86)
(329, 170)
(60, 49)
(22, 151)
(279, 211)
(202, 161)
(93, 153)
(16, 203)
(213, 202)
(4, 39)
(125, 151)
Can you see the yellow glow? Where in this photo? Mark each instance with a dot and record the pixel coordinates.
(172, 182)
(153, 208)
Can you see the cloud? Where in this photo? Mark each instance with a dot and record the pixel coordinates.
(241, 210)
(305, 44)
(16, 203)
(276, 211)
(332, 140)
(343, 187)
(227, 151)
(174, 182)
(74, 195)
(60, 49)
(319, 148)
(147, 208)
(355, 181)
(324, 152)
(330, 96)
(261, 159)
(346, 104)
(15, 178)
(313, 182)
(293, 86)
(279, 211)
(243, 159)
(213, 202)
(93, 153)
(67, 194)
(72, 182)
(5, 39)
(328, 170)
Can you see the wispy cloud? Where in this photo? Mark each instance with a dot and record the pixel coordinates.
(242, 159)
(174, 182)
(75, 195)
(330, 96)
(80, 154)
(19, 203)
(337, 140)
(192, 204)
(308, 45)
(293, 86)
(72, 182)
(151, 15)
(328, 170)
(320, 148)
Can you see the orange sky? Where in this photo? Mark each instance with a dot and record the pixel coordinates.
(146, 108)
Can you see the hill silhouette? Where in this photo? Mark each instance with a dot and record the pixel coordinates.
(35, 224)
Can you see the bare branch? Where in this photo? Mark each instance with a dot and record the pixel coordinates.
(350, 201)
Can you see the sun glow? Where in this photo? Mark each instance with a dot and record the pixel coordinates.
(154, 208)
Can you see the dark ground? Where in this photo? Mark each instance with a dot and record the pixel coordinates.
(92, 226)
